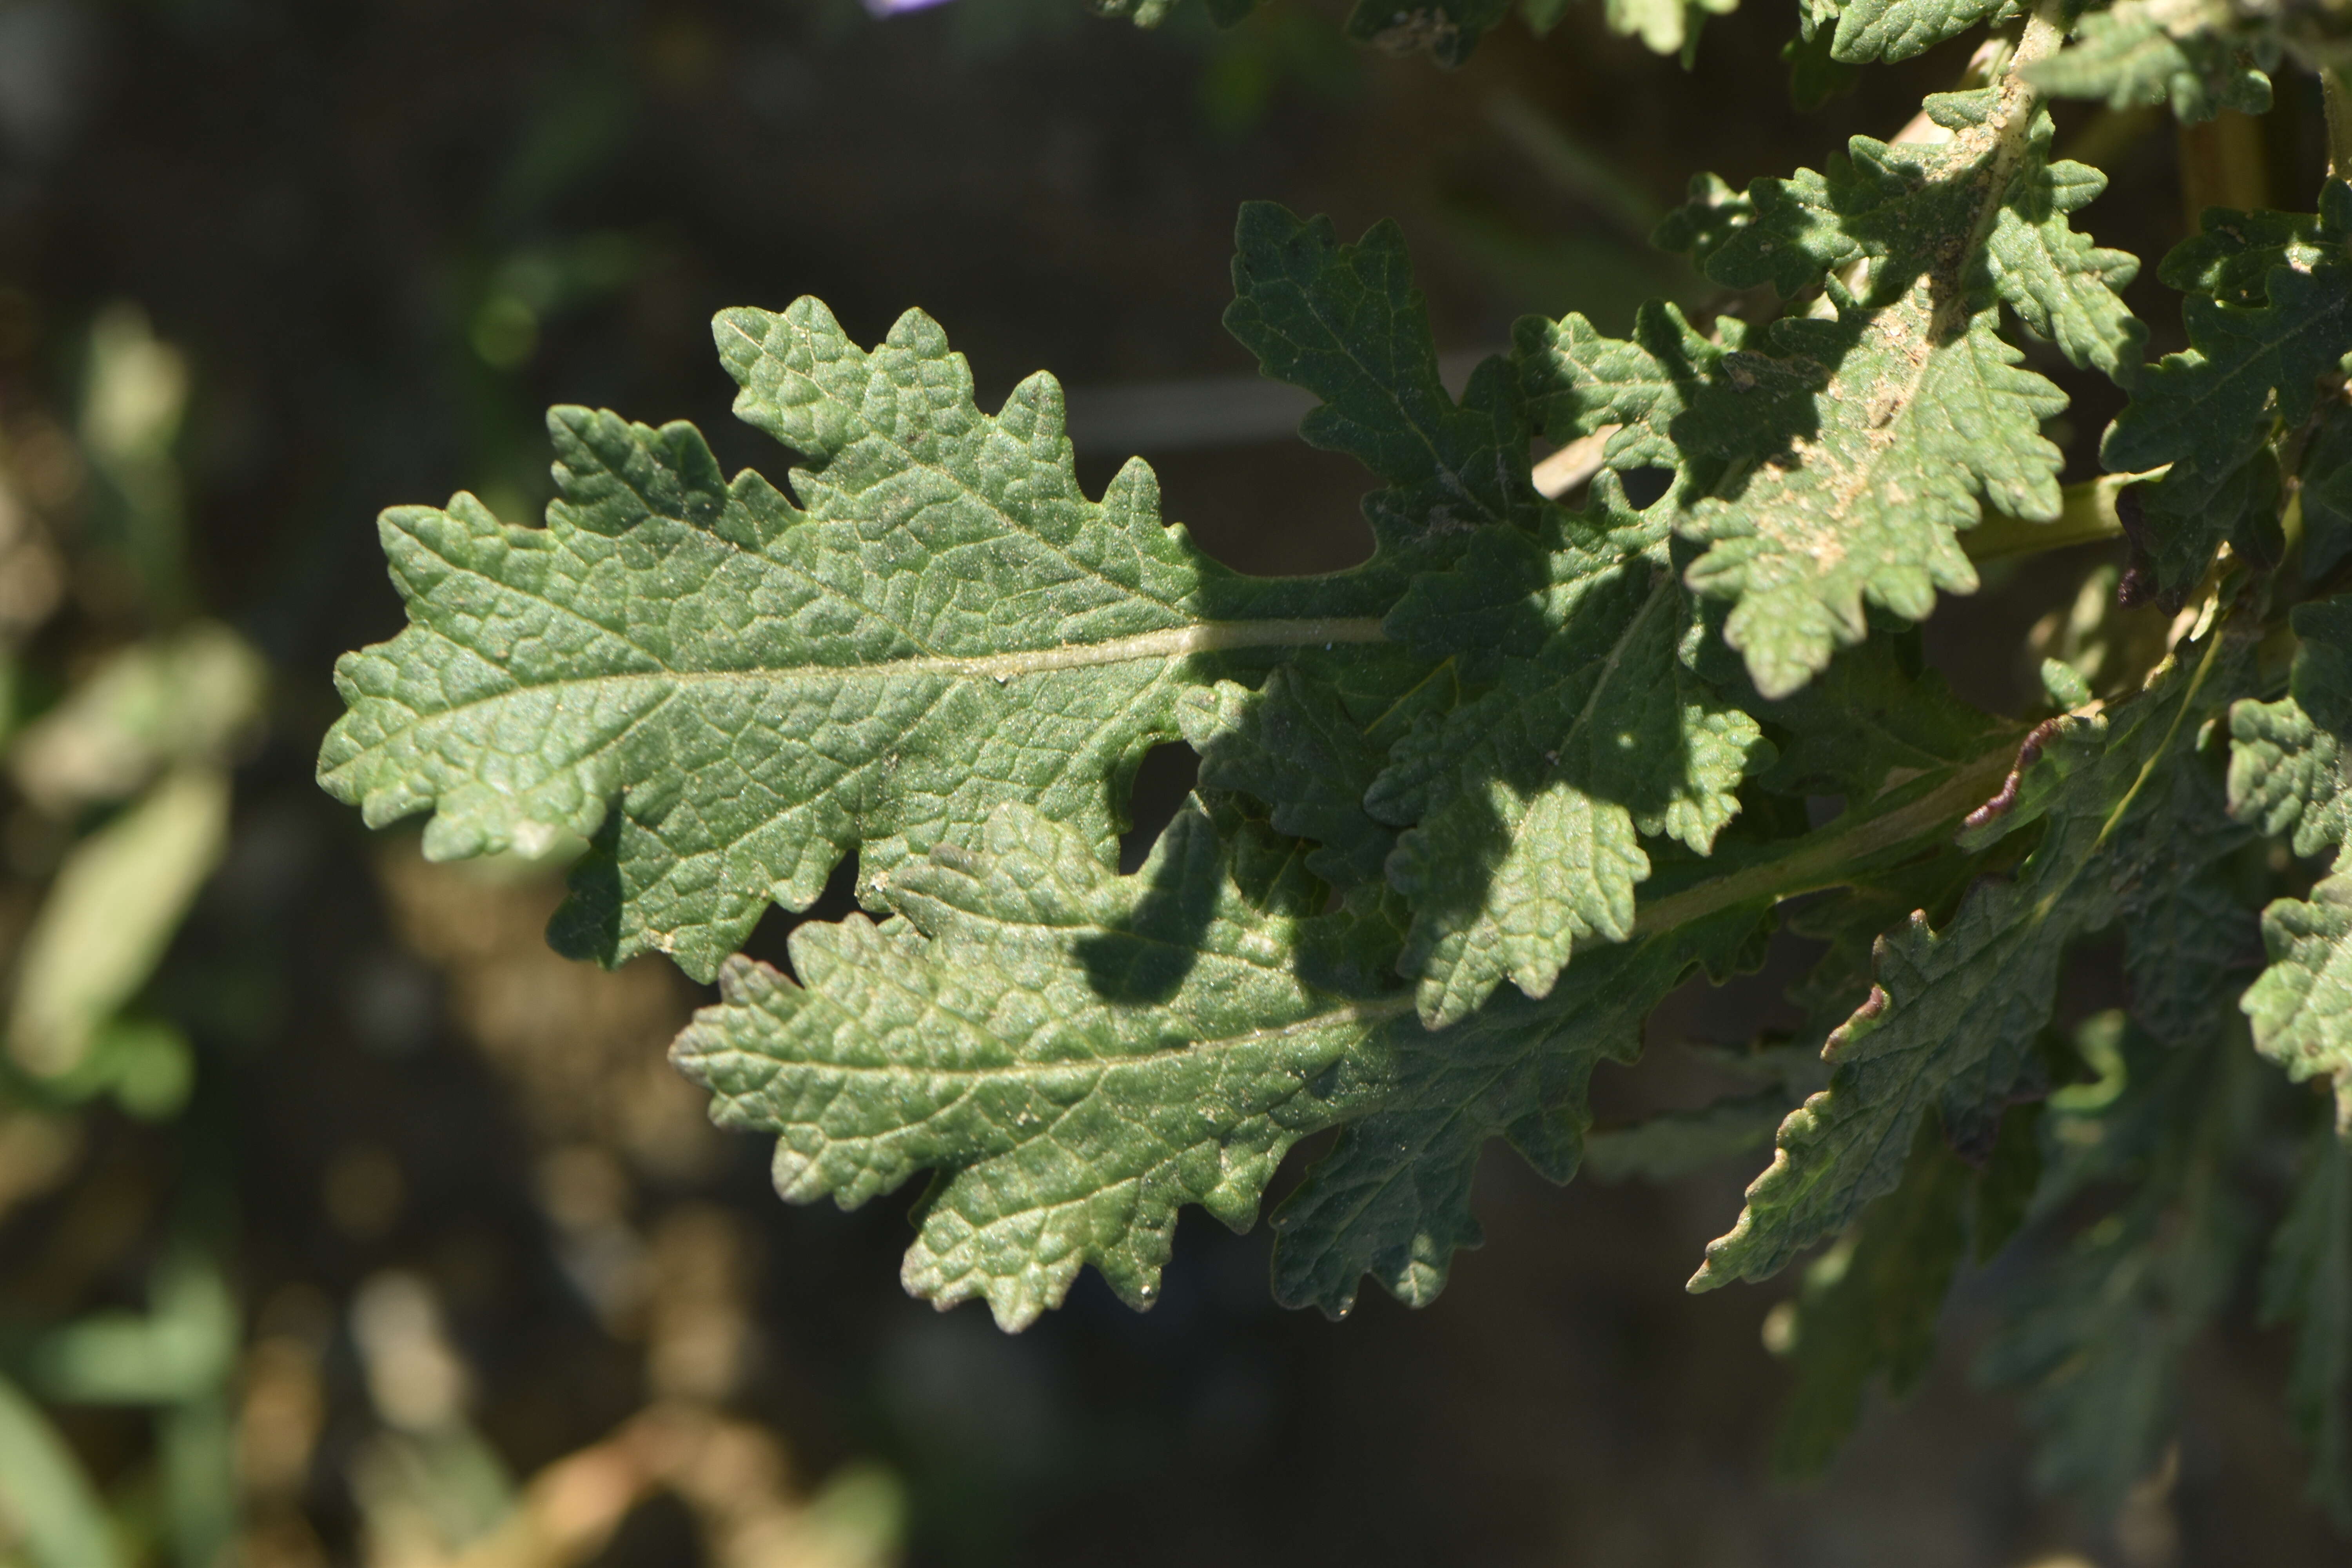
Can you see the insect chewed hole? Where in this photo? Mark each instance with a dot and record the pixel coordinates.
(1644, 486)
(1163, 781)
(768, 939)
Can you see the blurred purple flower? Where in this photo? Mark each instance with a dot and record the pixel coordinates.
(892, 7)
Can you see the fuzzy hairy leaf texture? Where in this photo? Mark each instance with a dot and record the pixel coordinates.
(947, 623)
(1080, 1054)
(1345, 322)
(1949, 1027)
(2141, 53)
(1890, 30)
(1827, 463)
(2257, 360)
(2287, 777)
(1392, 1201)
(1528, 803)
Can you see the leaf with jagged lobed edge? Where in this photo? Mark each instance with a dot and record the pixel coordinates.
(1295, 744)
(2094, 1337)
(1524, 807)
(1392, 1201)
(1891, 30)
(945, 625)
(1881, 201)
(1345, 322)
(2287, 777)
(1079, 1054)
(2288, 774)
(2253, 366)
(1829, 463)
(2307, 1281)
(2141, 53)
(2191, 931)
(1949, 1026)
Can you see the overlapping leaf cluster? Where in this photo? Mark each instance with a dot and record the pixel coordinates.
(1589, 751)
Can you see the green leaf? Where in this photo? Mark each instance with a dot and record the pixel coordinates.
(2307, 1281)
(110, 913)
(2287, 777)
(1293, 744)
(54, 1515)
(945, 625)
(2210, 411)
(1816, 77)
(2287, 765)
(1347, 323)
(1527, 803)
(1868, 1308)
(1393, 1198)
(1949, 1027)
(1079, 1054)
(1898, 29)
(2301, 1006)
(190, 697)
(1827, 463)
(2059, 284)
(2231, 256)
(2143, 52)
(1888, 203)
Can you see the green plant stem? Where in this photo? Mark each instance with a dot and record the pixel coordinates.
(2088, 512)
(1832, 854)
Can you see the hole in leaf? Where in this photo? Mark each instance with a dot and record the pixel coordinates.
(1162, 779)
(1644, 486)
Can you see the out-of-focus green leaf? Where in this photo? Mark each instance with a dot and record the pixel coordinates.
(110, 915)
(192, 696)
(49, 1510)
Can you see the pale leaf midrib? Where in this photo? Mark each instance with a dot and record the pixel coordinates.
(1167, 644)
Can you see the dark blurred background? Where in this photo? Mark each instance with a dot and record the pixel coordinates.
(343, 1223)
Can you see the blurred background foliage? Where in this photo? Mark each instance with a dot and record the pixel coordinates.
(343, 1223)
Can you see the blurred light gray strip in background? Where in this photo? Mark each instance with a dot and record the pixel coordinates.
(1204, 412)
